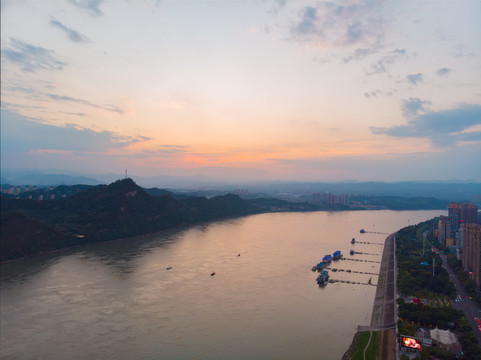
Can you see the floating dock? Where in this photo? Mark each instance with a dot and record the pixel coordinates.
(352, 271)
(332, 281)
(368, 243)
(361, 260)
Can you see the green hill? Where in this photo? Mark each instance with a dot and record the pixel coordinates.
(21, 236)
(105, 212)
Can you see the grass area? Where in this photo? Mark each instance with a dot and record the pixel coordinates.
(357, 349)
(372, 350)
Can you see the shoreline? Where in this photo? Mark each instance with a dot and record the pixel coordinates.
(384, 306)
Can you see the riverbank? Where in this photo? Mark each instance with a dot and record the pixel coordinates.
(384, 307)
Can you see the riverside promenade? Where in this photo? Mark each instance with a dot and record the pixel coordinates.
(383, 319)
(384, 308)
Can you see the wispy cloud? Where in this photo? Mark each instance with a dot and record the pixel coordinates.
(443, 71)
(360, 53)
(73, 35)
(92, 6)
(414, 78)
(414, 106)
(31, 58)
(341, 23)
(24, 135)
(164, 151)
(376, 93)
(383, 64)
(442, 128)
(307, 23)
(107, 107)
(33, 94)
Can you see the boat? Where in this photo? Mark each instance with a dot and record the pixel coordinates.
(337, 255)
(323, 278)
(318, 267)
(351, 252)
(327, 258)
(362, 231)
(353, 241)
(212, 273)
(168, 268)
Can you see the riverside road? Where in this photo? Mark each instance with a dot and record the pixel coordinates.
(470, 308)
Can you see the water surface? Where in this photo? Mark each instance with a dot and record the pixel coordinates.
(118, 300)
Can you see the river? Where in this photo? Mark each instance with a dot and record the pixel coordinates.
(118, 300)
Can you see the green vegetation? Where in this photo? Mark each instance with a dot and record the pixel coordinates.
(371, 351)
(21, 236)
(415, 279)
(101, 213)
(444, 317)
(356, 351)
(430, 353)
(84, 214)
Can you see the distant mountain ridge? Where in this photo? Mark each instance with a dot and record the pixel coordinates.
(37, 179)
(445, 190)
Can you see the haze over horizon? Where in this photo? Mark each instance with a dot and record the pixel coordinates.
(250, 90)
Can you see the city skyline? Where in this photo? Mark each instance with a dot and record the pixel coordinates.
(249, 90)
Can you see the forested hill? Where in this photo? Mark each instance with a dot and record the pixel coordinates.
(106, 212)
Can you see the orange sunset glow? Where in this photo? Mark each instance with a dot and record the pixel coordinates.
(279, 89)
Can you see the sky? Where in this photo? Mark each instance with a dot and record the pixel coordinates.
(243, 89)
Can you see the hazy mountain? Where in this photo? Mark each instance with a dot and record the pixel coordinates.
(40, 179)
(453, 191)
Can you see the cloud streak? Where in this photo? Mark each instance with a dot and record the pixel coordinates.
(31, 58)
(383, 64)
(443, 71)
(443, 128)
(32, 94)
(20, 134)
(73, 35)
(413, 106)
(107, 107)
(414, 78)
(91, 6)
(341, 24)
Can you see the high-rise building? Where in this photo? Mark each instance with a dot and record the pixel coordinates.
(472, 251)
(443, 229)
(469, 213)
(330, 199)
(466, 213)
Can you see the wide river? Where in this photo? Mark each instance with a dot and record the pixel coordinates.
(119, 301)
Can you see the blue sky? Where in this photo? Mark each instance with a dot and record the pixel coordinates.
(244, 90)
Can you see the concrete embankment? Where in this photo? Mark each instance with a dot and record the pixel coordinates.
(383, 317)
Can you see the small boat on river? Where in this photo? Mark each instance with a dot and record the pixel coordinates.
(212, 273)
(337, 255)
(323, 278)
(353, 241)
(318, 267)
(351, 252)
(327, 259)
